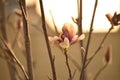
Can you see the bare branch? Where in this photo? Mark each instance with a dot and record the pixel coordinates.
(47, 41)
(88, 41)
(27, 39)
(12, 55)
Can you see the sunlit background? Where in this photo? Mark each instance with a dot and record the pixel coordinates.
(63, 10)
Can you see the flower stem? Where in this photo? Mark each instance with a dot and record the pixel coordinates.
(67, 64)
(47, 41)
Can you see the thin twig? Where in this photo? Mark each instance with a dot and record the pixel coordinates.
(72, 59)
(79, 23)
(67, 64)
(98, 73)
(88, 42)
(12, 55)
(73, 75)
(56, 30)
(22, 7)
(49, 78)
(16, 38)
(100, 46)
(27, 39)
(13, 65)
(79, 20)
(11, 62)
(47, 41)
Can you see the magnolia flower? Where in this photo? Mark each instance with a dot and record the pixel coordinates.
(67, 38)
(115, 19)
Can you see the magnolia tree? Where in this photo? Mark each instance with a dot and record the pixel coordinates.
(64, 40)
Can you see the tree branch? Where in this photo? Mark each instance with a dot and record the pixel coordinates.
(88, 41)
(47, 41)
(12, 55)
(27, 40)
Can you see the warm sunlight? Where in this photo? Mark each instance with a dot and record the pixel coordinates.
(59, 39)
(63, 10)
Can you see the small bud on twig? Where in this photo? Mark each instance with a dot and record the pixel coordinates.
(74, 20)
(82, 49)
(108, 56)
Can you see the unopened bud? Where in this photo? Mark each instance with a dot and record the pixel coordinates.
(82, 49)
(115, 19)
(108, 56)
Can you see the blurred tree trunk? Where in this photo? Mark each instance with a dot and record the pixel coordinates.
(3, 34)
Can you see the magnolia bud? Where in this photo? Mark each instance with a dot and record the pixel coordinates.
(108, 56)
(115, 19)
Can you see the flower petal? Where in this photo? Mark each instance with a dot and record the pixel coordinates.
(114, 20)
(65, 43)
(82, 36)
(74, 39)
(51, 39)
(55, 39)
(68, 30)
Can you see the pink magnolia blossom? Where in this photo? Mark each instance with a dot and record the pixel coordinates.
(115, 19)
(68, 36)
